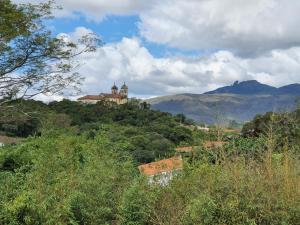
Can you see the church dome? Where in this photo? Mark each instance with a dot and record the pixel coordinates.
(124, 86)
(114, 87)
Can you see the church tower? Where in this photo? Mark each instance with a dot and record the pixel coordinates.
(124, 90)
(114, 89)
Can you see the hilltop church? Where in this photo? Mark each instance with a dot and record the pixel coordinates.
(119, 97)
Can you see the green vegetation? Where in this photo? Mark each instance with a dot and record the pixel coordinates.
(146, 134)
(62, 179)
(210, 108)
(79, 166)
(32, 61)
(283, 126)
(76, 164)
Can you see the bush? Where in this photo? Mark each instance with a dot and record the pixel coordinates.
(62, 179)
(232, 193)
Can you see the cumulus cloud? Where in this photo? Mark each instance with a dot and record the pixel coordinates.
(147, 75)
(243, 26)
(257, 39)
(96, 10)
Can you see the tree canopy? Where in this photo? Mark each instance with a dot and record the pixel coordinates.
(32, 60)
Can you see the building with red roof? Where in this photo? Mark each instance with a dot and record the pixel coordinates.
(119, 97)
(5, 140)
(161, 172)
(185, 149)
(214, 144)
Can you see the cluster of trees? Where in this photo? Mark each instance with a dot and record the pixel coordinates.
(284, 127)
(67, 176)
(148, 134)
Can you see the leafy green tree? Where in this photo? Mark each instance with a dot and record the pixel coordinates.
(23, 122)
(285, 127)
(32, 61)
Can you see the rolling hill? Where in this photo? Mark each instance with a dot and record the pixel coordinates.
(239, 102)
(253, 87)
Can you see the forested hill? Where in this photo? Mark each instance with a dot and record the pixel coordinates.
(82, 169)
(144, 133)
(253, 87)
(239, 102)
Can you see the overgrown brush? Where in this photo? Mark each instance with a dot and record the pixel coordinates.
(234, 192)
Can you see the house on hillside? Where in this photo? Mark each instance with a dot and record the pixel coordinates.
(162, 172)
(206, 129)
(185, 149)
(214, 144)
(232, 131)
(187, 152)
(5, 140)
(119, 97)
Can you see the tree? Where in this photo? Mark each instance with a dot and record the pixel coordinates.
(32, 61)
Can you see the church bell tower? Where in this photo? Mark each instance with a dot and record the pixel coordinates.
(114, 89)
(124, 90)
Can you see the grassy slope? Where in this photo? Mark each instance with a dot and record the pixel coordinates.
(207, 108)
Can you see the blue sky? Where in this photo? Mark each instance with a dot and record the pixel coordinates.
(114, 28)
(111, 29)
(173, 46)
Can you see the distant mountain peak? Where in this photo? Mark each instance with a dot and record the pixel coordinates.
(253, 87)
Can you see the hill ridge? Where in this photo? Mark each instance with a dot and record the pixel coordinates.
(240, 102)
(253, 87)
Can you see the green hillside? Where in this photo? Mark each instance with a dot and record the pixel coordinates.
(210, 108)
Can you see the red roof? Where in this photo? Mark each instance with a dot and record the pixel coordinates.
(113, 96)
(185, 149)
(101, 97)
(91, 97)
(214, 144)
(161, 166)
(8, 140)
(232, 131)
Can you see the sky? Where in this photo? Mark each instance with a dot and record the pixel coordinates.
(183, 46)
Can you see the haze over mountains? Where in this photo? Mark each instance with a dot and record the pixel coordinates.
(240, 102)
(253, 87)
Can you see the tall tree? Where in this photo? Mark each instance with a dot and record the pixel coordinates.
(32, 61)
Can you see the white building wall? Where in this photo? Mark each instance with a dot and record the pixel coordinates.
(163, 178)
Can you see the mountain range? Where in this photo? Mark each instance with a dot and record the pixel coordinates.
(240, 102)
(253, 87)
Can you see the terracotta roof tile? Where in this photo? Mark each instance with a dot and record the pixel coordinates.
(8, 140)
(113, 96)
(161, 166)
(91, 97)
(214, 144)
(102, 96)
(232, 131)
(185, 149)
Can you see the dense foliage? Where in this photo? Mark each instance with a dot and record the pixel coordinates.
(283, 126)
(146, 134)
(88, 176)
(80, 167)
(62, 179)
(77, 163)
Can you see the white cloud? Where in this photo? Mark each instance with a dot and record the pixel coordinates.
(246, 27)
(96, 10)
(257, 39)
(243, 26)
(147, 75)
(48, 98)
